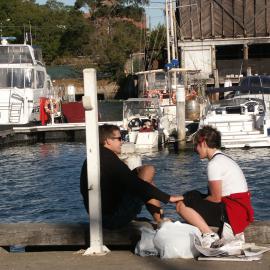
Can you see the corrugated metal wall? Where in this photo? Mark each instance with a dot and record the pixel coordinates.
(201, 19)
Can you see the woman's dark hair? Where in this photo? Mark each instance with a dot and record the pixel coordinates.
(106, 131)
(210, 135)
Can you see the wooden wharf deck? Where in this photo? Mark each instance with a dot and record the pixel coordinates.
(45, 234)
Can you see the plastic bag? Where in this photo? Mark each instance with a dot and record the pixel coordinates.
(145, 247)
(176, 240)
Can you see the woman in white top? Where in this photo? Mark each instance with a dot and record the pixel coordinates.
(225, 179)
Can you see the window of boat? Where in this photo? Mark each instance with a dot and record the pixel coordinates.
(255, 81)
(156, 80)
(40, 79)
(29, 78)
(244, 81)
(15, 55)
(265, 81)
(16, 77)
(38, 54)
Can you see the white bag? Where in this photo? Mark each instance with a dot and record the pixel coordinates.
(176, 240)
(145, 247)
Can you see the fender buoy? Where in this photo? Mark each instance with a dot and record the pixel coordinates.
(174, 98)
(51, 106)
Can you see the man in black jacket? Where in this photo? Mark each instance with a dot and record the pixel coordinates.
(123, 191)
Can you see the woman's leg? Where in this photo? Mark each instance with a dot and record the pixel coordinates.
(192, 217)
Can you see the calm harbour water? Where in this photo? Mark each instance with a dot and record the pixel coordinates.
(40, 183)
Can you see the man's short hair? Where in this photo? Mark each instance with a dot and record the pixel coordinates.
(210, 135)
(106, 131)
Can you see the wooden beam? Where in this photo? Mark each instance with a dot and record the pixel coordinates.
(233, 11)
(245, 52)
(212, 18)
(244, 16)
(254, 18)
(201, 29)
(190, 20)
(222, 21)
(266, 18)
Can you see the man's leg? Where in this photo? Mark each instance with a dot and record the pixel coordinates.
(147, 173)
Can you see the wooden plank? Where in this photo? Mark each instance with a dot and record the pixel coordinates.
(233, 9)
(244, 22)
(222, 20)
(254, 19)
(200, 21)
(40, 234)
(266, 19)
(212, 19)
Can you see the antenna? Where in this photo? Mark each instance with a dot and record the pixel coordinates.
(24, 35)
(30, 28)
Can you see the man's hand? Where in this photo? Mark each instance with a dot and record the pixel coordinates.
(176, 198)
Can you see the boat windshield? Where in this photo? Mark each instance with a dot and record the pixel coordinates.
(141, 107)
(38, 54)
(19, 77)
(153, 80)
(253, 85)
(231, 102)
(15, 55)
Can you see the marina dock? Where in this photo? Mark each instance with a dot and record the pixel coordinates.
(61, 247)
(40, 134)
(116, 260)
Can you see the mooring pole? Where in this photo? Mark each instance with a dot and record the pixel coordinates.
(93, 163)
(180, 117)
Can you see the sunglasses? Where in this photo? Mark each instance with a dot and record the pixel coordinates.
(116, 138)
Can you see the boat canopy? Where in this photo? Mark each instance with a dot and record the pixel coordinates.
(147, 107)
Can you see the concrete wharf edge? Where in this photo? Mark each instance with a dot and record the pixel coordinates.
(71, 259)
(54, 234)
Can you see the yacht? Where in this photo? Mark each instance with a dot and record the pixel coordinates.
(243, 121)
(23, 83)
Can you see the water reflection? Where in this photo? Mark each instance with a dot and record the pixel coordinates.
(41, 182)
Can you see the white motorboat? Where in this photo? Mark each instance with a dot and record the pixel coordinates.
(141, 120)
(242, 121)
(23, 81)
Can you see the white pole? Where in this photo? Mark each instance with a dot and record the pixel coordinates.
(167, 32)
(172, 38)
(180, 117)
(93, 163)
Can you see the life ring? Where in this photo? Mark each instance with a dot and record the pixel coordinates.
(51, 106)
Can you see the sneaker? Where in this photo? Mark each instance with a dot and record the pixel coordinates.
(208, 239)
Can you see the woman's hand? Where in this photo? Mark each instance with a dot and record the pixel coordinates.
(176, 198)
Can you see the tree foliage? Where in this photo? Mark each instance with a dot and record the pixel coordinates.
(108, 36)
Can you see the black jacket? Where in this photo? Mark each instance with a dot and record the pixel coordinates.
(116, 179)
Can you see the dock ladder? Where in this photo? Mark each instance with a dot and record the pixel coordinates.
(15, 112)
